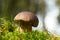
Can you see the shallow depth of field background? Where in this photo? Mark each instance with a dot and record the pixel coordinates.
(47, 11)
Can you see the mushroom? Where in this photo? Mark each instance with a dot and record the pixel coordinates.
(26, 20)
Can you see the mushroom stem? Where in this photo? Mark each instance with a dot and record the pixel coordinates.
(23, 28)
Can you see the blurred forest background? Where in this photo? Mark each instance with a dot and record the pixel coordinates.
(12, 7)
(9, 8)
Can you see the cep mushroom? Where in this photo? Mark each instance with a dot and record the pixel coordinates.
(26, 20)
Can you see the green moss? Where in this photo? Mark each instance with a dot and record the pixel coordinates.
(15, 35)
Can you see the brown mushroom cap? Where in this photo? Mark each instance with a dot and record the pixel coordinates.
(27, 17)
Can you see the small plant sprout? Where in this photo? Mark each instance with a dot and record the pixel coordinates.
(26, 20)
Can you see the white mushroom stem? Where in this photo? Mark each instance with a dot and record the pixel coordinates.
(23, 28)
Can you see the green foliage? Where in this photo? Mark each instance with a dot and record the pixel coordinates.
(35, 35)
(6, 25)
(6, 34)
